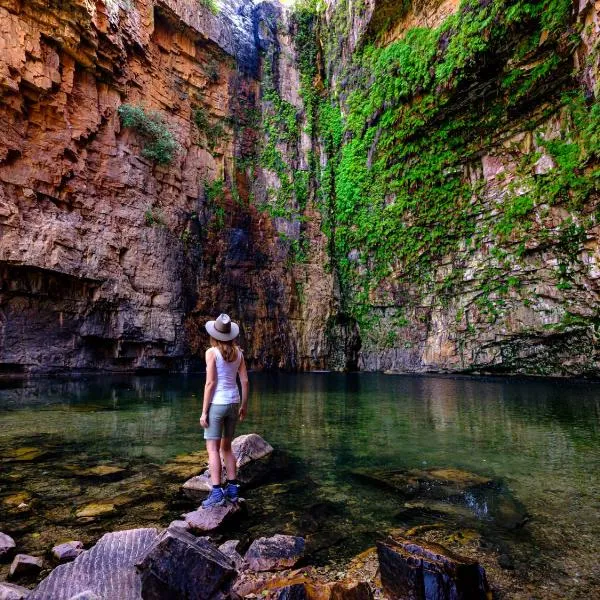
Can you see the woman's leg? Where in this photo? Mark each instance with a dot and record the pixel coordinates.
(214, 460)
(228, 459)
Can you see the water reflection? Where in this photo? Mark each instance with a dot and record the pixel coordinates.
(539, 439)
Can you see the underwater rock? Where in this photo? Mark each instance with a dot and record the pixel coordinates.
(67, 551)
(96, 509)
(274, 553)
(179, 565)
(24, 565)
(7, 545)
(107, 569)
(229, 549)
(427, 571)
(209, 519)
(24, 454)
(104, 471)
(10, 591)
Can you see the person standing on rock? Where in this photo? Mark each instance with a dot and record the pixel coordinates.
(222, 409)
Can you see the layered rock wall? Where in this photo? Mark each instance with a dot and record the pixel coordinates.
(108, 259)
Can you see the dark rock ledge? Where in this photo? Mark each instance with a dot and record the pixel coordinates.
(149, 564)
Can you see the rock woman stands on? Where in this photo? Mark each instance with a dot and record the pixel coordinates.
(221, 408)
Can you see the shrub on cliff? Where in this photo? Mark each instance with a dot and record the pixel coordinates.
(159, 143)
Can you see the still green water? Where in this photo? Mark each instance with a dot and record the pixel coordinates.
(539, 441)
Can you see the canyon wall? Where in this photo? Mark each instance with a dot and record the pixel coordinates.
(465, 199)
(109, 258)
(361, 183)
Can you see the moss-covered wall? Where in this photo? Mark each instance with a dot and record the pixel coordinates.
(458, 177)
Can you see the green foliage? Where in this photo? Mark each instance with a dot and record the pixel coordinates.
(201, 118)
(394, 185)
(211, 5)
(153, 217)
(159, 144)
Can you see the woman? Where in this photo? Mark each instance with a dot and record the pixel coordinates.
(221, 408)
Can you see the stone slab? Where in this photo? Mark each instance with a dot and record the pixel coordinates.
(107, 569)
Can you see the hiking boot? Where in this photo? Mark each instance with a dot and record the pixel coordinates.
(215, 498)
(231, 492)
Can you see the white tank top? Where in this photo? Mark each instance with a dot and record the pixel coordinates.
(226, 391)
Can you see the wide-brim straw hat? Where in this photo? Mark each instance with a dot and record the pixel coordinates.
(223, 328)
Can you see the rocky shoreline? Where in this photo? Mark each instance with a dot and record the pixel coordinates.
(191, 559)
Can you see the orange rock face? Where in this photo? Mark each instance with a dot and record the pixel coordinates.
(109, 260)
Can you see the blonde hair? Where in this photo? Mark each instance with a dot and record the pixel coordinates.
(229, 350)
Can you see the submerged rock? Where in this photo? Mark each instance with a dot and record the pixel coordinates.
(10, 591)
(7, 545)
(179, 565)
(427, 571)
(24, 454)
(107, 569)
(209, 519)
(104, 471)
(96, 509)
(24, 565)
(67, 551)
(274, 553)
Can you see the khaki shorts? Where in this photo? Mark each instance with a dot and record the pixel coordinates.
(222, 419)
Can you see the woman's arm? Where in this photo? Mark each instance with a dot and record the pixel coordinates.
(209, 387)
(243, 375)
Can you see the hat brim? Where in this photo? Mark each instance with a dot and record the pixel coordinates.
(223, 337)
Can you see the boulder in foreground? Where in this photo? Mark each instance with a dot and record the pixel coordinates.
(427, 571)
(209, 519)
(274, 553)
(67, 551)
(107, 569)
(179, 565)
(24, 565)
(10, 591)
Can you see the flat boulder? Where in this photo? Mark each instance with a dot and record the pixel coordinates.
(209, 519)
(10, 591)
(67, 551)
(107, 569)
(24, 565)
(274, 553)
(7, 545)
(179, 565)
(426, 571)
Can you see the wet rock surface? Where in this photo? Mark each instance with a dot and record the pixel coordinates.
(274, 553)
(107, 569)
(179, 565)
(423, 571)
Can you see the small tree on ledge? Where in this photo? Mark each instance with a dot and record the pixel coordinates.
(159, 144)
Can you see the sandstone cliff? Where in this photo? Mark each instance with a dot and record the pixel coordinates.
(402, 186)
(108, 259)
